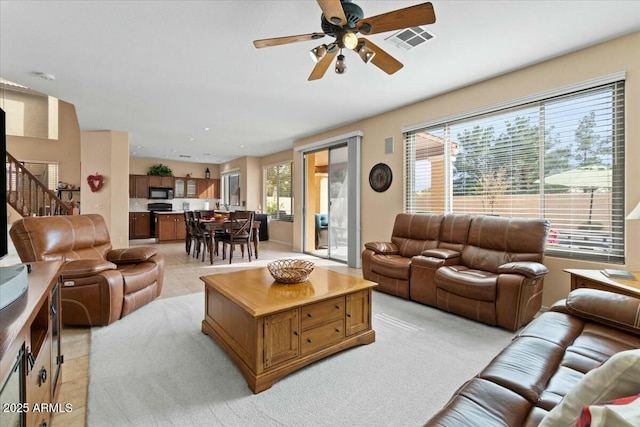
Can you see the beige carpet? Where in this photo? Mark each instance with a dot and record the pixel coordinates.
(156, 368)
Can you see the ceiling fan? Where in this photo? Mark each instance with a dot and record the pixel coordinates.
(343, 19)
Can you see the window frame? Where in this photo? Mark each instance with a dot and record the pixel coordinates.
(279, 214)
(612, 251)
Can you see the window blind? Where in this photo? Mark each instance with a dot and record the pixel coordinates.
(559, 158)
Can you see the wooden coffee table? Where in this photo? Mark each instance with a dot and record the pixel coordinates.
(271, 329)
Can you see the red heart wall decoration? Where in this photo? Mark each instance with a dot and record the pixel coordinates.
(95, 182)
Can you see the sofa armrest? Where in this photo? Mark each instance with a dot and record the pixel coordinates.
(609, 308)
(526, 268)
(85, 268)
(441, 253)
(131, 255)
(384, 248)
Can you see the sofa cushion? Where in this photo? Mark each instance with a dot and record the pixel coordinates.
(494, 241)
(617, 377)
(483, 403)
(85, 268)
(131, 255)
(386, 248)
(414, 233)
(138, 276)
(608, 308)
(393, 266)
(473, 284)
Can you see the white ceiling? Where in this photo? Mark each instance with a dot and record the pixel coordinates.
(164, 70)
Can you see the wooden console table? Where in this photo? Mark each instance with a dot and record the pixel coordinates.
(30, 355)
(594, 279)
(270, 329)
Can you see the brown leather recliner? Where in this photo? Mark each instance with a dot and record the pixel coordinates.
(389, 263)
(498, 277)
(100, 284)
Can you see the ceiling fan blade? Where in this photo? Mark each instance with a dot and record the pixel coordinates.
(322, 65)
(333, 11)
(381, 59)
(276, 41)
(413, 16)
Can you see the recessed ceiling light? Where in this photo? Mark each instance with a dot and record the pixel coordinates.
(138, 146)
(192, 139)
(207, 128)
(133, 153)
(174, 151)
(242, 146)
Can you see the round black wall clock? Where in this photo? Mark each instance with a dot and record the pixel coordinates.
(380, 177)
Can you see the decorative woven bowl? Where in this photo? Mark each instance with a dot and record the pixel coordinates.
(290, 270)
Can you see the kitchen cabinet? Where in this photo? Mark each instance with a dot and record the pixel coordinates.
(170, 227)
(191, 188)
(30, 348)
(162, 181)
(208, 188)
(139, 225)
(179, 188)
(138, 186)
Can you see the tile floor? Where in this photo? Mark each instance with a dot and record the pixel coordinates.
(182, 276)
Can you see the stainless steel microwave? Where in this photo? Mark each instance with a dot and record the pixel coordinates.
(160, 193)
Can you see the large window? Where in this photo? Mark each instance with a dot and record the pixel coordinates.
(231, 189)
(278, 191)
(559, 158)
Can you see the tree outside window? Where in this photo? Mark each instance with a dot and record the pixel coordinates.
(278, 199)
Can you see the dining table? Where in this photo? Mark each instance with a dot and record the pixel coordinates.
(212, 225)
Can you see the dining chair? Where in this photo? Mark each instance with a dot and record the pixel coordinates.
(238, 232)
(202, 236)
(189, 237)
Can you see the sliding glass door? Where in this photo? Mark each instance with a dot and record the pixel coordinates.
(331, 227)
(338, 220)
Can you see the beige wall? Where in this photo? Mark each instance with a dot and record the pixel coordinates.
(65, 150)
(140, 166)
(606, 58)
(107, 153)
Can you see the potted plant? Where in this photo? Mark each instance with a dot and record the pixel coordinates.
(160, 170)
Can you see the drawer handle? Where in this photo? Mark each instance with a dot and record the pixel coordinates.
(309, 340)
(348, 314)
(337, 330)
(309, 315)
(337, 307)
(295, 333)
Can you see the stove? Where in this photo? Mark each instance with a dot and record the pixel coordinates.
(157, 207)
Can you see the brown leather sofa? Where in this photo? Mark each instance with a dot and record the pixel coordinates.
(482, 267)
(545, 361)
(100, 284)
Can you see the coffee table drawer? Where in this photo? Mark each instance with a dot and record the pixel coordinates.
(322, 336)
(321, 312)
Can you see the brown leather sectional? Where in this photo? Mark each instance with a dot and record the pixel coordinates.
(100, 284)
(485, 268)
(544, 361)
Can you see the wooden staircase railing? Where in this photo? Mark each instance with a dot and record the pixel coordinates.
(28, 196)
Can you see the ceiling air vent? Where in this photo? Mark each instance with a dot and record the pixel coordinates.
(185, 156)
(410, 38)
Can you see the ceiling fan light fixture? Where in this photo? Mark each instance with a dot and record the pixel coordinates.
(366, 54)
(318, 52)
(341, 64)
(350, 40)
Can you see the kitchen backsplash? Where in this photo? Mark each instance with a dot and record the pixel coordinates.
(140, 205)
